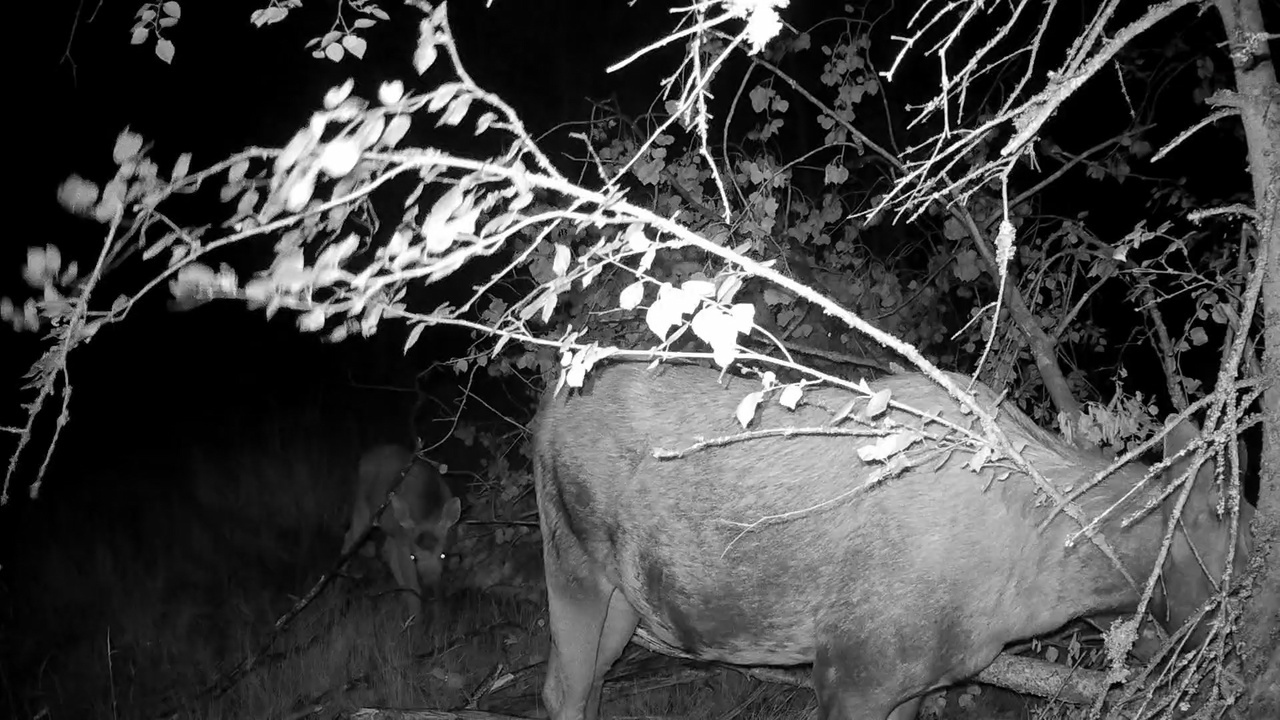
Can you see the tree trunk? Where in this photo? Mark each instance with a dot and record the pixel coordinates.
(1258, 100)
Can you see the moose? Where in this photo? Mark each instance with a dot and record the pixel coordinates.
(412, 532)
(774, 548)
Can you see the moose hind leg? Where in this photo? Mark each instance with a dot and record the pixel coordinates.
(591, 623)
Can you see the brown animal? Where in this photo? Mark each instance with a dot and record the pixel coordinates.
(413, 530)
(897, 589)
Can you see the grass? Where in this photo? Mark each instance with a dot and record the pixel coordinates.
(140, 597)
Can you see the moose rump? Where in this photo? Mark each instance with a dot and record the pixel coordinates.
(889, 591)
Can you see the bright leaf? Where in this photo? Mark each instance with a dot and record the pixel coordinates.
(747, 408)
(77, 195)
(389, 93)
(336, 95)
(560, 265)
(790, 397)
(164, 51)
(701, 288)
(355, 45)
(457, 111)
(396, 129)
(631, 295)
(887, 446)
(719, 330)
(339, 157)
(635, 238)
(300, 191)
(413, 336)
(268, 16)
(128, 144)
(877, 404)
(181, 167)
(425, 54)
(311, 320)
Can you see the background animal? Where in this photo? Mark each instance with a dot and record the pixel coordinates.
(412, 532)
(889, 590)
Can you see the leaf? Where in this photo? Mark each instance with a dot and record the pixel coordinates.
(248, 201)
(257, 291)
(334, 97)
(635, 238)
(560, 265)
(590, 275)
(396, 129)
(456, 112)
(549, 305)
(77, 195)
(192, 280)
(701, 288)
(311, 320)
(334, 52)
(728, 287)
(425, 54)
(172, 9)
(876, 404)
(414, 333)
(888, 446)
(355, 44)
(164, 50)
(362, 23)
(235, 173)
(719, 330)
(128, 145)
(669, 309)
(979, 458)
(139, 35)
(370, 130)
(776, 297)
(835, 173)
(441, 96)
(454, 213)
(790, 397)
(268, 16)
(389, 93)
(747, 408)
(631, 295)
(181, 167)
(111, 202)
(300, 191)
(339, 157)
(646, 260)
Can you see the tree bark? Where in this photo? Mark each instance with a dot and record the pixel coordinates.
(1258, 100)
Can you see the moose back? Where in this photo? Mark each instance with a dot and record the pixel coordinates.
(889, 591)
